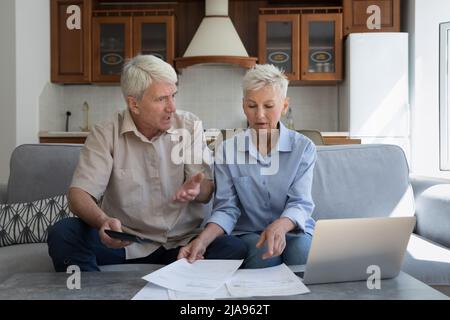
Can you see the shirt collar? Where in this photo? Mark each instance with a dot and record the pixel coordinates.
(284, 143)
(128, 125)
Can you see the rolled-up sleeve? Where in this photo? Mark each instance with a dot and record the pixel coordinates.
(300, 205)
(95, 165)
(226, 209)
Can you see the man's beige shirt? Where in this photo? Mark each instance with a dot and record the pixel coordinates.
(138, 179)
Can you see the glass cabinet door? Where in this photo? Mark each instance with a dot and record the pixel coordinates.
(321, 47)
(154, 35)
(112, 46)
(279, 42)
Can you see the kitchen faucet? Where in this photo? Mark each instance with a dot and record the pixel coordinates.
(86, 117)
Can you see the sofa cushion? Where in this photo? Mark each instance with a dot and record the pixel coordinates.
(3, 188)
(361, 181)
(28, 222)
(427, 261)
(433, 213)
(24, 258)
(40, 171)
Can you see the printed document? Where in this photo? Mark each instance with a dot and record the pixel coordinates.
(221, 293)
(152, 292)
(202, 276)
(218, 279)
(273, 281)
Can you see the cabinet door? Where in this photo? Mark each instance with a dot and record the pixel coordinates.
(154, 35)
(111, 47)
(70, 41)
(279, 42)
(321, 47)
(363, 15)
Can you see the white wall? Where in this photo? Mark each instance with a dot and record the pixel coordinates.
(315, 108)
(32, 64)
(212, 92)
(424, 17)
(56, 100)
(7, 86)
(25, 70)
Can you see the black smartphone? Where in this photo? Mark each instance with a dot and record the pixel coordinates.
(126, 236)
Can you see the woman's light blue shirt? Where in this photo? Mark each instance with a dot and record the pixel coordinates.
(253, 193)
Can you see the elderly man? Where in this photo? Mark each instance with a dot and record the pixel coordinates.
(129, 161)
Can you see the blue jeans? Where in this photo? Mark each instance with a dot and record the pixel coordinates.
(296, 251)
(72, 242)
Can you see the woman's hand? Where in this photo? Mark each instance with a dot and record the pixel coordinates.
(115, 225)
(275, 235)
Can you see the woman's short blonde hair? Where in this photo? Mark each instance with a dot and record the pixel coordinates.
(140, 72)
(263, 75)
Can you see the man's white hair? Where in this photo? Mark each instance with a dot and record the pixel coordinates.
(140, 72)
(263, 75)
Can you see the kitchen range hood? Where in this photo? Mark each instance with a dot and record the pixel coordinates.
(216, 40)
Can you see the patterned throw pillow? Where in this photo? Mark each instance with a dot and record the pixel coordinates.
(29, 222)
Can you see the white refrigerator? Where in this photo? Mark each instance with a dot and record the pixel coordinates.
(374, 98)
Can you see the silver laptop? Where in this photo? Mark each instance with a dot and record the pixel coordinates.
(343, 249)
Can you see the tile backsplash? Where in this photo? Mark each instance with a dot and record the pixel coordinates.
(212, 92)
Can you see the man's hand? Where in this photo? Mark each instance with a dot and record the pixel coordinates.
(115, 225)
(193, 251)
(190, 189)
(275, 235)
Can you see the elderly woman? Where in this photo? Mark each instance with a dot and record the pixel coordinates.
(270, 210)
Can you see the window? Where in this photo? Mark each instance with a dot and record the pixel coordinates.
(444, 70)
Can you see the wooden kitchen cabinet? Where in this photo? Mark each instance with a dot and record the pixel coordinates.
(359, 16)
(64, 140)
(321, 52)
(70, 41)
(337, 140)
(156, 36)
(61, 138)
(95, 50)
(112, 45)
(279, 42)
(118, 38)
(305, 42)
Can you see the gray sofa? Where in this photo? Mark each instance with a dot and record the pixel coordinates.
(349, 181)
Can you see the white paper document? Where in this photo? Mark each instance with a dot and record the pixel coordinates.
(218, 279)
(273, 281)
(152, 292)
(221, 293)
(202, 276)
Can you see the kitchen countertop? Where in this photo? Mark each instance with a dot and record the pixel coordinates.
(335, 134)
(63, 134)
